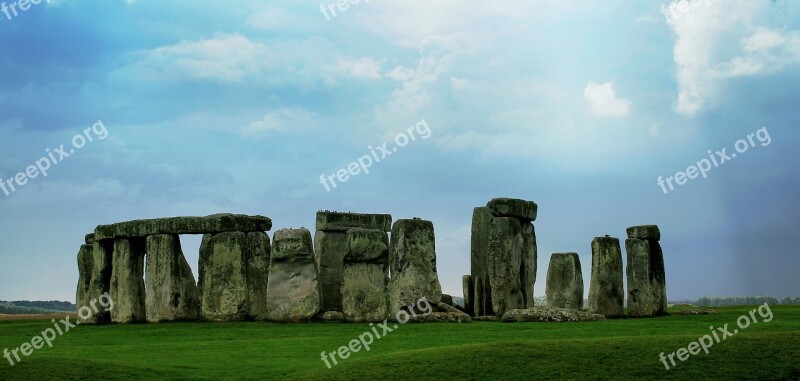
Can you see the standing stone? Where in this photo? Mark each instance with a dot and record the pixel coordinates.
(127, 281)
(480, 298)
(171, 288)
(469, 294)
(506, 265)
(412, 257)
(366, 276)
(529, 258)
(223, 285)
(606, 294)
(85, 267)
(98, 270)
(330, 248)
(481, 220)
(293, 292)
(564, 282)
(647, 295)
(259, 250)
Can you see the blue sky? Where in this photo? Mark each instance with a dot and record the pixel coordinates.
(580, 106)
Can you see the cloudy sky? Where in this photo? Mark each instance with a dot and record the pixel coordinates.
(580, 106)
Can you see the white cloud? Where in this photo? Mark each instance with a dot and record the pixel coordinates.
(603, 101)
(278, 120)
(271, 18)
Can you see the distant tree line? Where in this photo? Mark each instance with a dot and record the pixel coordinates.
(25, 307)
(743, 300)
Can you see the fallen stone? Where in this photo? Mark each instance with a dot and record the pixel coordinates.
(447, 299)
(336, 221)
(217, 223)
(441, 317)
(293, 292)
(564, 282)
(606, 295)
(485, 318)
(332, 316)
(548, 314)
(366, 276)
(171, 288)
(506, 248)
(127, 288)
(330, 248)
(412, 258)
(514, 208)
(647, 292)
(222, 285)
(698, 311)
(644, 232)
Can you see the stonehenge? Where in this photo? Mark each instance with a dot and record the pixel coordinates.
(412, 259)
(353, 270)
(503, 256)
(606, 295)
(564, 282)
(647, 295)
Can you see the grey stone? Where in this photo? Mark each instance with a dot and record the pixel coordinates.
(549, 314)
(468, 288)
(529, 263)
(329, 251)
(441, 317)
(98, 270)
(698, 311)
(506, 248)
(412, 257)
(332, 316)
(366, 276)
(564, 282)
(171, 288)
(336, 221)
(222, 285)
(127, 281)
(647, 292)
(89, 239)
(479, 254)
(258, 255)
(447, 299)
(515, 208)
(485, 318)
(218, 223)
(606, 295)
(84, 294)
(644, 232)
(293, 292)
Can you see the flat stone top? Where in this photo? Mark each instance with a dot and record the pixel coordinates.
(217, 223)
(337, 221)
(564, 255)
(644, 232)
(510, 207)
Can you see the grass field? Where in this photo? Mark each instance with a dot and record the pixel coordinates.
(614, 349)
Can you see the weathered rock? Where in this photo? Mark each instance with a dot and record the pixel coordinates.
(564, 282)
(332, 316)
(222, 285)
(293, 291)
(606, 295)
(468, 288)
(549, 314)
(441, 317)
(336, 221)
(258, 254)
(647, 292)
(330, 248)
(506, 248)
(366, 276)
(89, 239)
(529, 262)
(509, 207)
(479, 255)
(127, 281)
(412, 257)
(485, 318)
(98, 270)
(447, 299)
(644, 232)
(218, 223)
(171, 288)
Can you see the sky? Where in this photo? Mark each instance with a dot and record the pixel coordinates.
(201, 107)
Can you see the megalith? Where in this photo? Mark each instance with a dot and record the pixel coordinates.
(94, 277)
(222, 284)
(330, 248)
(412, 258)
(258, 255)
(505, 259)
(564, 282)
(606, 295)
(127, 281)
(171, 288)
(366, 276)
(468, 288)
(479, 251)
(292, 291)
(647, 295)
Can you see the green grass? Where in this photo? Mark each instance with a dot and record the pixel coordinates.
(614, 349)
